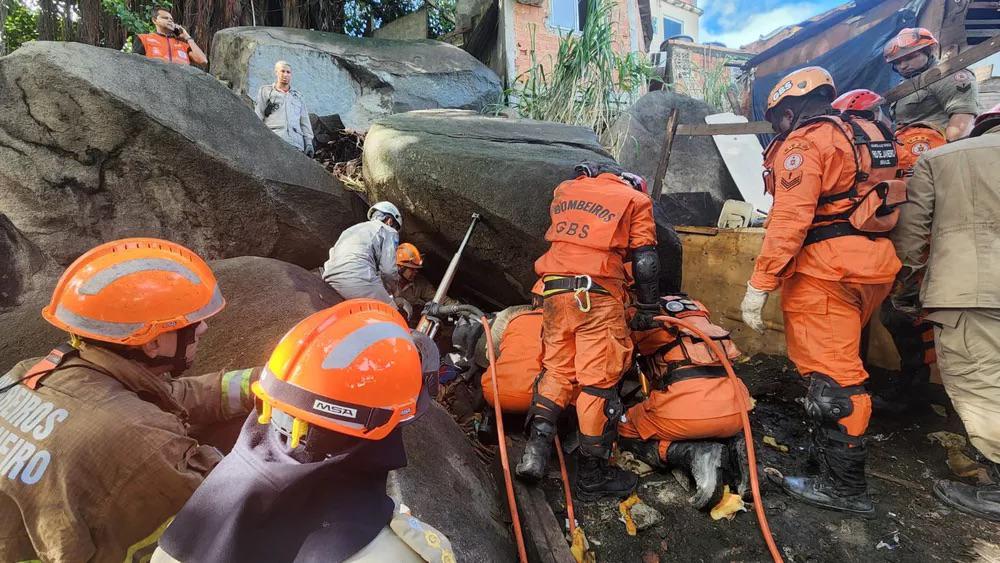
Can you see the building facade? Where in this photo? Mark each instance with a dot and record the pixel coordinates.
(671, 18)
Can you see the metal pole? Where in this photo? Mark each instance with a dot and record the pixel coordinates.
(427, 326)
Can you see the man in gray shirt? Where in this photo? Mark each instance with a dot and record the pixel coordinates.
(283, 110)
(362, 263)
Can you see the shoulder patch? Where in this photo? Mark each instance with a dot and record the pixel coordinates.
(793, 161)
(963, 77)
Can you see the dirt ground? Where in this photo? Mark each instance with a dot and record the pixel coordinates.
(911, 524)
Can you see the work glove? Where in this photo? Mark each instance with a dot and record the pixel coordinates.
(752, 307)
(310, 151)
(643, 318)
(431, 309)
(404, 307)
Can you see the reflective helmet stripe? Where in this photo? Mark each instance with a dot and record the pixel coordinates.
(109, 275)
(348, 349)
(85, 325)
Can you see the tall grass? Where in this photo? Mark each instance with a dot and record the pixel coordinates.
(588, 84)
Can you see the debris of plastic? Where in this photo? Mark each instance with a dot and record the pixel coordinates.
(960, 464)
(891, 544)
(626, 515)
(939, 410)
(580, 548)
(770, 441)
(728, 506)
(628, 462)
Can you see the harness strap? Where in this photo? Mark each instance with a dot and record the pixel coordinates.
(834, 230)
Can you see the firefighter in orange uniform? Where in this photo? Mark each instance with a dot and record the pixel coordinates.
(598, 220)
(914, 340)
(835, 190)
(692, 401)
(170, 43)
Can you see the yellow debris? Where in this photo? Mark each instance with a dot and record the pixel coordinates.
(623, 508)
(728, 506)
(770, 441)
(580, 548)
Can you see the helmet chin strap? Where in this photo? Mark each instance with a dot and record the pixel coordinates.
(177, 363)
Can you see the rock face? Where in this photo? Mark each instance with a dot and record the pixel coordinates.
(25, 268)
(441, 166)
(360, 79)
(446, 485)
(695, 163)
(97, 145)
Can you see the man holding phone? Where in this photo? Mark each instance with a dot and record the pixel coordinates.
(171, 42)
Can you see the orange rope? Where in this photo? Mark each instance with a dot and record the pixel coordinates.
(765, 529)
(565, 480)
(511, 501)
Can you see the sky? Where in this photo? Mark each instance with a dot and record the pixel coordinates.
(738, 22)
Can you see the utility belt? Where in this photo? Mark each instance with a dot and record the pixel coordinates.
(580, 286)
(834, 230)
(691, 372)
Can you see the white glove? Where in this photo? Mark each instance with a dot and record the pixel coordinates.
(752, 306)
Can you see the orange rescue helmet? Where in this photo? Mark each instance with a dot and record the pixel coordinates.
(908, 40)
(132, 290)
(352, 369)
(800, 83)
(858, 100)
(408, 256)
(986, 121)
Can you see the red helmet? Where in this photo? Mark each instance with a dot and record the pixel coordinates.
(908, 40)
(352, 369)
(985, 121)
(858, 100)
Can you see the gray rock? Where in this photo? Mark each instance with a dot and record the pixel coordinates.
(361, 79)
(440, 166)
(445, 485)
(695, 162)
(25, 267)
(645, 516)
(97, 145)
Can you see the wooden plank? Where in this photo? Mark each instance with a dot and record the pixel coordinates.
(944, 69)
(668, 145)
(706, 130)
(543, 536)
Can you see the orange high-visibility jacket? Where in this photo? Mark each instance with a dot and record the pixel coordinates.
(168, 49)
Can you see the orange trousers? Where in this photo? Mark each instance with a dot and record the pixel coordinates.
(823, 322)
(583, 349)
(669, 430)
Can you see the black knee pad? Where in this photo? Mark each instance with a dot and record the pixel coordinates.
(827, 402)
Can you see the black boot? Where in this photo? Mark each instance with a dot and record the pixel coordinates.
(595, 478)
(981, 501)
(907, 392)
(531, 468)
(705, 461)
(841, 483)
(646, 451)
(739, 465)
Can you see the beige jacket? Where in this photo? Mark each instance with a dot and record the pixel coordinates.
(955, 210)
(97, 458)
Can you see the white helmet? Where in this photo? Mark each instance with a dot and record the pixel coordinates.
(386, 208)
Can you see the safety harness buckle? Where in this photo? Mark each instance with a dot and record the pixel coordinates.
(584, 290)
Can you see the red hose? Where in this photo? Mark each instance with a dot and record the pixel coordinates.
(565, 480)
(508, 480)
(758, 505)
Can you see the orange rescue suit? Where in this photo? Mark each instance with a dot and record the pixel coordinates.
(831, 287)
(690, 408)
(595, 223)
(169, 49)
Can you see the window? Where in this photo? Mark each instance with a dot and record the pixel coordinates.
(568, 14)
(672, 27)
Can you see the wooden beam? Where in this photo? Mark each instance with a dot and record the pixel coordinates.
(705, 129)
(945, 69)
(668, 145)
(542, 532)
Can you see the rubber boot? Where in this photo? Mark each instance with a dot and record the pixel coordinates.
(841, 484)
(646, 451)
(907, 392)
(739, 464)
(595, 478)
(531, 468)
(981, 501)
(705, 461)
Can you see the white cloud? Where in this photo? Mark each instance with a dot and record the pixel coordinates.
(762, 23)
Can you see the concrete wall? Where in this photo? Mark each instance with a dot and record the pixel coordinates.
(684, 11)
(692, 66)
(410, 26)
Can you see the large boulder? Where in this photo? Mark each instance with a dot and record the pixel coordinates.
(695, 163)
(440, 166)
(26, 269)
(361, 79)
(97, 145)
(446, 485)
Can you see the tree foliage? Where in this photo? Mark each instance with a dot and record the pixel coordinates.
(19, 27)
